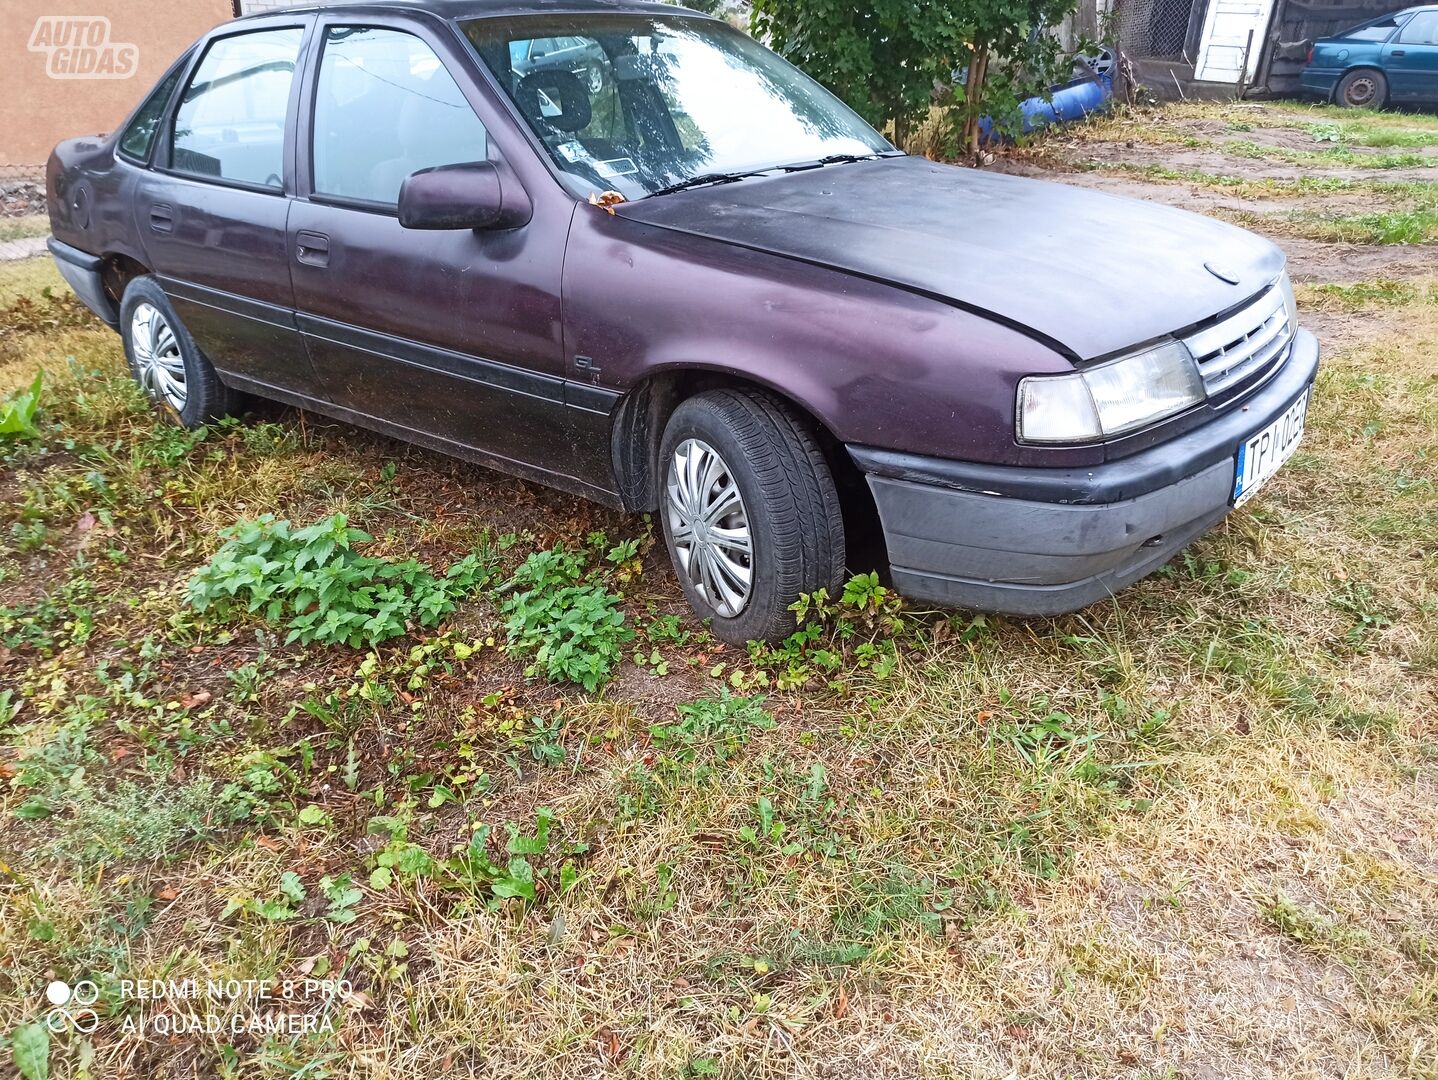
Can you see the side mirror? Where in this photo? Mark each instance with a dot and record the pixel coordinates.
(473, 196)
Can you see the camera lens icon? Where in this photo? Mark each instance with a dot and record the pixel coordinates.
(72, 1006)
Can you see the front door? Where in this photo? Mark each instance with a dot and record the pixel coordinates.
(213, 211)
(1411, 59)
(451, 336)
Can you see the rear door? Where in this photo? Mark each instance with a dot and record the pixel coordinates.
(1411, 59)
(453, 337)
(213, 210)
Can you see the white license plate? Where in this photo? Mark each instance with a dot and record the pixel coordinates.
(1264, 454)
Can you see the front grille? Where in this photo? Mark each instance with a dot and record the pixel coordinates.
(1245, 348)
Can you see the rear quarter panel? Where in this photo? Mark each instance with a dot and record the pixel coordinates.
(90, 196)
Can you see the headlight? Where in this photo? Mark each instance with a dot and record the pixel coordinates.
(1290, 302)
(1110, 399)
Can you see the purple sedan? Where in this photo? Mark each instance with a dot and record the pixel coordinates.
(691, 282)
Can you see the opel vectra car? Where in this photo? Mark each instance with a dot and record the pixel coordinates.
(698, 285)
(1390, 60)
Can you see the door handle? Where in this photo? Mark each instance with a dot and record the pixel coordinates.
(1399, 52)
(162, 217)
(312, 248)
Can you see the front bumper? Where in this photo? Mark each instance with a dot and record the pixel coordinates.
(81, 271)
(1050, 541)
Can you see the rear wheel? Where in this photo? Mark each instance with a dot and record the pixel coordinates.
(1362, 89)
(167, 363)
(750, 512)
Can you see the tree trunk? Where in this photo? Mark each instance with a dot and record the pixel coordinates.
(901, 132)
(973, 98)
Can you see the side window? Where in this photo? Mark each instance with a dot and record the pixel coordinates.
(1377, 30)
(140, 135)
(1422, 29)
(231, 121)
(386, 107)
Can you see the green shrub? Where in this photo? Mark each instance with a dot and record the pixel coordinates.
(573, 627)
(313, 581)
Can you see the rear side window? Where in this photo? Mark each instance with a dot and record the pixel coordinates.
(1378, 30)
(1422, 29)
(386, 107)
(140, 135)
(231, 121)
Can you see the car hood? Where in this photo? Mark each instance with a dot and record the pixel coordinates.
(1090, 274)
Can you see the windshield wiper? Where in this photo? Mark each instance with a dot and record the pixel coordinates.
(705, 178)
(834, 159)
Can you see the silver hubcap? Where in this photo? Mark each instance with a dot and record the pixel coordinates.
(158, 363)
(709, 528)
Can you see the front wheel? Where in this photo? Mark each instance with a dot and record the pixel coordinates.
(1362, 89)
(167, 363)
(750, 512)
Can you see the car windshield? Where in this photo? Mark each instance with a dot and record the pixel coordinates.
(638, 104)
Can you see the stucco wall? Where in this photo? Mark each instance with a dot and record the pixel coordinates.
(62, 74)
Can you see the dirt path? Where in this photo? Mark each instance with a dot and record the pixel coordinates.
(1280, 170)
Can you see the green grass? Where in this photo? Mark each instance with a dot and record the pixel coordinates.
(1412, 217)
(1341, 139)
(28, 278)
(1390, 227)
(1336, 157)
(1267, 187)
(1367, 135)
(1369, 294)
(21, 228)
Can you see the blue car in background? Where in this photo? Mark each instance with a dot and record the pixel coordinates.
(1392, 60)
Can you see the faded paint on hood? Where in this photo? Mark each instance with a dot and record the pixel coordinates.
(1089, 273)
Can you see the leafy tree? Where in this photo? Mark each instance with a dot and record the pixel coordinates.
(1010, 58)
(891, 59)
(884, 58)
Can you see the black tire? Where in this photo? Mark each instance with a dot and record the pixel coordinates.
(1363, 88)
(205, 397)
(789, 503)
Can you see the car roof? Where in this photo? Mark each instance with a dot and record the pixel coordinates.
(474, 9)
(1340, 35)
